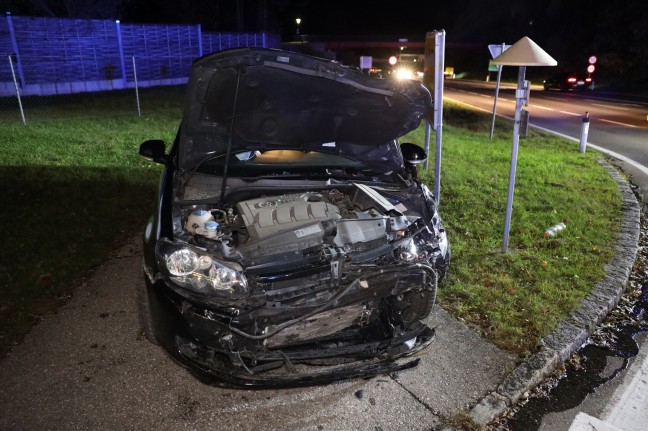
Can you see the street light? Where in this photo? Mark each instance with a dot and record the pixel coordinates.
(298, 21)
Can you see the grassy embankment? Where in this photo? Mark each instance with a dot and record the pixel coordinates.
(73, 189)
(518, 297)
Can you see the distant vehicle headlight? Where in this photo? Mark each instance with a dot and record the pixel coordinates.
(194, 269)
(404, 74)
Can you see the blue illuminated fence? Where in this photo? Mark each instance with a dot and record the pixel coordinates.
(64, 56)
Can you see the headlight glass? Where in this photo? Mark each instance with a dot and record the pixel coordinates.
(182, 262)
(195, 269)
(409, 252)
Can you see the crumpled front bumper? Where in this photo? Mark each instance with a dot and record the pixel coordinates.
(297, 367)
(360, 332)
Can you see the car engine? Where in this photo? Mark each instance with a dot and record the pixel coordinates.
(285, 231)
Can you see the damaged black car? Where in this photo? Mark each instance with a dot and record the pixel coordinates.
(292, 242)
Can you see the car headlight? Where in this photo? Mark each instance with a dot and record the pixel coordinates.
(194, 269)
(410, 252)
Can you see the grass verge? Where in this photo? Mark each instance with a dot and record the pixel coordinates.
(73, 189)
(514, 299)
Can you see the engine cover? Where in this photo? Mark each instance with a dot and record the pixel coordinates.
(268, 216)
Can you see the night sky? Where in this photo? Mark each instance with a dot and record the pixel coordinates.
(615, 31)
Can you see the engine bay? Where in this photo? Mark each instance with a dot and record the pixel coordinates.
(360, 224)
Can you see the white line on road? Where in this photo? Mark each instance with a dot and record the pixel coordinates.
(610, 107)
(468, 104)
(620, 124)
(618, 156)
(570, 113)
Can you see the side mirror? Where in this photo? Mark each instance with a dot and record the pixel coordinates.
(154, 150)
(413, 154)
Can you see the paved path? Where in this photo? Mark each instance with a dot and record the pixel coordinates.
(89, 367)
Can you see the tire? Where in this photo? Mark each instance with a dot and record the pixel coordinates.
(145, 310)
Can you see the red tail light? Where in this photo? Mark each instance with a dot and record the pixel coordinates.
(588, 79)
(571, 80)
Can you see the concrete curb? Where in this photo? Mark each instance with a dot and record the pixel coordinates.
(573, 331)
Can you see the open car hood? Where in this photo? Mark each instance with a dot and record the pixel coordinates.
(261, 99)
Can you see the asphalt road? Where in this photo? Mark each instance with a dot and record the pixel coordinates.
(621, 402)
(618, 123)
(89, 367)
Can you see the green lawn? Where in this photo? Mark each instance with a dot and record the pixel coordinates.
(74, 188)
(517, 297)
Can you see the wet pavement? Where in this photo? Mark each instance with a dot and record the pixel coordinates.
(89, 367)
(606, 382)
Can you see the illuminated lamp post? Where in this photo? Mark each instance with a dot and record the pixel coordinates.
(523, 53)
(298, 21)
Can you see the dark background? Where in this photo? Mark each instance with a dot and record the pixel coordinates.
(570, 31)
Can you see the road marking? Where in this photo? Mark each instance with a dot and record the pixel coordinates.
(610, 153)
(620, 124)
(467, 104)
(618, 156)
(610, 107)
(570, 113)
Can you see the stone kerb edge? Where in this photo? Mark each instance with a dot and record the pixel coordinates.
(573, 332)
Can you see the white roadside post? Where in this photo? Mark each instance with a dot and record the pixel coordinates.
(584, 132)
(523, 53)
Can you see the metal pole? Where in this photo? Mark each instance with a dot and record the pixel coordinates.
(139, 113)
(200, 47)
(584, 132)
(439, 59)
(13, 74)
(497, 88)
(519, 100)
(427, 142)
(14, 45)
(121, 52)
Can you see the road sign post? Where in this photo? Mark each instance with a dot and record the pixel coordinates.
(523, 53)
(434, 67)
(495, 51)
